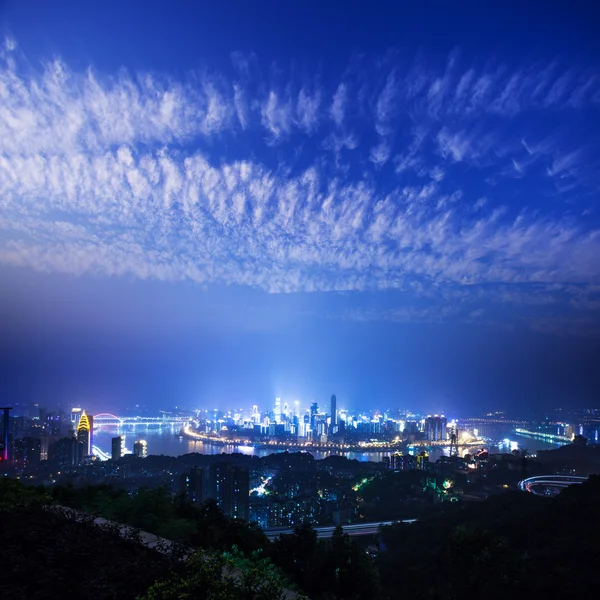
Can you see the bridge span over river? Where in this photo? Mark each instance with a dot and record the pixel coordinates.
(110, 420)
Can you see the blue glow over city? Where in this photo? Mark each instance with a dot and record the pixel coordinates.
(217, 210)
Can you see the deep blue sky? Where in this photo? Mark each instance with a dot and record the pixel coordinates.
(213, 204)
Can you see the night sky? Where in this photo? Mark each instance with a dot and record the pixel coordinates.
(213, 204)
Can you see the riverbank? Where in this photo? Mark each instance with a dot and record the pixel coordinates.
(186, 432)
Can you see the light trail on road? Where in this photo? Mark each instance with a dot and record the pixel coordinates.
(548, 481)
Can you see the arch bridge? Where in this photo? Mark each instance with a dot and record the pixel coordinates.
(108, 419)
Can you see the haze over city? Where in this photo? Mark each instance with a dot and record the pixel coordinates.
(213, 208)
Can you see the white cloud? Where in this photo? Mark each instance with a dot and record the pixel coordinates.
(127, 175)
(241, 223)
(564, 164)
(480, 203)
(380, 154)
(338, 106)
(277, 115)
(475, 147)
(559, 89)
(456, 146)
(218, 111)
(386, 106)
(241, 106)
(580, 95)
(308, 110)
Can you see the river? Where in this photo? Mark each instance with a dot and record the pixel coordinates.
(167, 441)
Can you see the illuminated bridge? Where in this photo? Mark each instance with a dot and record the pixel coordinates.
(548, 485)
(548, 437)
(108, 419)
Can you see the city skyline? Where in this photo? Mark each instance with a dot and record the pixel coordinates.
(250, 203)
(79, 438)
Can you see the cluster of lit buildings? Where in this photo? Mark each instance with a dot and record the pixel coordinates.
(313, 425)
(66, 440)
(83, 426)
(289, 420)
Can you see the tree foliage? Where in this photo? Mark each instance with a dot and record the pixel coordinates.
(155, 511)
(514, 544)
(46, 555)
(327, 569)
(223, 576)
(511, 545)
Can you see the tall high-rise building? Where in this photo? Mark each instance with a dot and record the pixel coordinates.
(75, 416)
(305, 425)
(84, 433)
(423, 461)
(314, 411)
(117, 448)
(435, 428)
(66, 452)
(277, 410)
(27, 452)
(193, 486)
(230, 487)
(236, 496)
(140, 449)
(333, 410)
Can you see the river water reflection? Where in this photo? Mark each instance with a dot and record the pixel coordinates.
(167, 441)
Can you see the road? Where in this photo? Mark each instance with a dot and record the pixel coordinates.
(352, 530)
(539, 484)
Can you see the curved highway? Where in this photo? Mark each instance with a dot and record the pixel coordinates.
(544, 485)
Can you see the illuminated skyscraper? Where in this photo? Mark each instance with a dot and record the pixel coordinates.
(305, 424)
(84, 433)
(277, 410)
(333, 409)
(140, 449)
(75, 416)
(423, 461)
(314, 411)
(435, 428)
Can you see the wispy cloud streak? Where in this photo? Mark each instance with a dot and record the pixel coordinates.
(208, 179)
